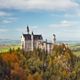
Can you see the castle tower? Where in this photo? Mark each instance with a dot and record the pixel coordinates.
(46, 45)
(54, 38)
(28, 29)
(32, 41)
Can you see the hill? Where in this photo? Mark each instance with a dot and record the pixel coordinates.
(9, 42)
(6, 44)
(60, 64)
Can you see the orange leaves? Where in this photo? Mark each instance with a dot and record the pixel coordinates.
(13, 61)
(36, 76)
(17, 70)
(10, 57)
(30, 77)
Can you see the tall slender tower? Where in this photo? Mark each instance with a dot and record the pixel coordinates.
(32, 41)
(28, 29)
(54, 38)
(46, 45)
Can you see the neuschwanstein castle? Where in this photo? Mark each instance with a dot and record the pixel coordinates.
(31, 41)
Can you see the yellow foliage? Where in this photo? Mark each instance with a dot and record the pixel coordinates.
(37, 76)
(65, 73)
(30, 77)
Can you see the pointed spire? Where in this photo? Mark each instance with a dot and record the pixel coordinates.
(32, 33)
(32, 41)
(54, 38)
(27, 29)
(54, 35)
(46, 40)
(46, 45)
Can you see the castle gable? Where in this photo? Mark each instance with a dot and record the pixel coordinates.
(27, 36)
(35, 37)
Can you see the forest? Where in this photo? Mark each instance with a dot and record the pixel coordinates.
(60, 64)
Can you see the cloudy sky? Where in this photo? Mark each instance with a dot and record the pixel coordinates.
(45, 17)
